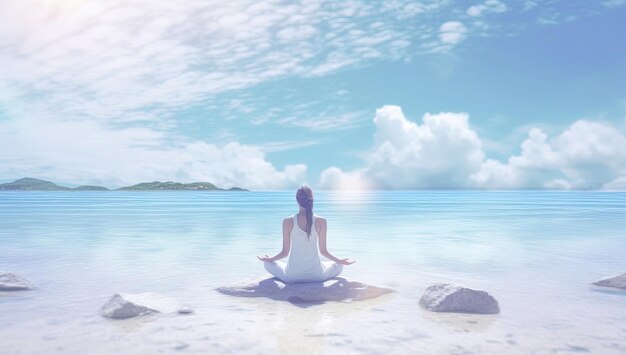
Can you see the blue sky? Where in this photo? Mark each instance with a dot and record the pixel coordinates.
(341, 95)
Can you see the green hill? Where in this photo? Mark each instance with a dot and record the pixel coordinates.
(170, 185)
(237, 189)
(32, 185)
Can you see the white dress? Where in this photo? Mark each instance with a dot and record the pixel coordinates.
(303, 264)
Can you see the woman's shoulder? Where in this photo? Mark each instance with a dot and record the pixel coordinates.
(319, 219)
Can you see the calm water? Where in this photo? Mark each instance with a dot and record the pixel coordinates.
(536, 252)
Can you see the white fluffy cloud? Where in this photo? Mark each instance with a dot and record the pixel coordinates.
(487, 6)
(445, 152)
(587, 155)
(440, 152)
(89, 153)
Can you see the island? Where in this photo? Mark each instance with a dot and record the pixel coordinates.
(32, 184)
(237, 189)
(170, 185)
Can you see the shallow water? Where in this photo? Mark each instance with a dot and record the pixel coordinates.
(536, 252)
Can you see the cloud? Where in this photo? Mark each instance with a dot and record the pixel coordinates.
(298, 33)
(445, 152)
(441, 152)
(138, 61)
(529, 4)
(617, 184)
(521, 171)
(452, 32)
(333, 178)
(587, 155)
(334, 122)
(613, 3)
(447, 37)
(95, 90)
(91, 91)
(89, 153)
(488, 6)
(135, 60)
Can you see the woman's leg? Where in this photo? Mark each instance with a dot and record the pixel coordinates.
(276, 268)
(331, 269)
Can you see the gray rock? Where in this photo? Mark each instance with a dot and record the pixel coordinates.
(12, 282)
(306, 294)
(455, 298)
(618, 281)
(127, 305)
(185, 310)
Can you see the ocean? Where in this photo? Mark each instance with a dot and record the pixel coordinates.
(536, 252)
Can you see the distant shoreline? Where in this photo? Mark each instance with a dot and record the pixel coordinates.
(32, 184)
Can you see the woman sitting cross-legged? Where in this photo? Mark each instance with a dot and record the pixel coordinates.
(303, 233)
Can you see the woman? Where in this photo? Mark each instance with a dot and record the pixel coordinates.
(301, 235)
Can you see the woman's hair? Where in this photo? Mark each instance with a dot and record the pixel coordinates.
(304, 196)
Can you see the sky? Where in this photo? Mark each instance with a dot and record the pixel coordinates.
(269, 95)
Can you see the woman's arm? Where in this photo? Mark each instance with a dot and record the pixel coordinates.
(287, 226)
(321, 226)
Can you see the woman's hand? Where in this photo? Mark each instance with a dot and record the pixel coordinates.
(346, 261)
(265, 258)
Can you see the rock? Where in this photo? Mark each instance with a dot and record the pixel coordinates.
(454, 298)
(618, 281)
(185, 310)
(306, 294)
(12, 282)
(127, 305)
